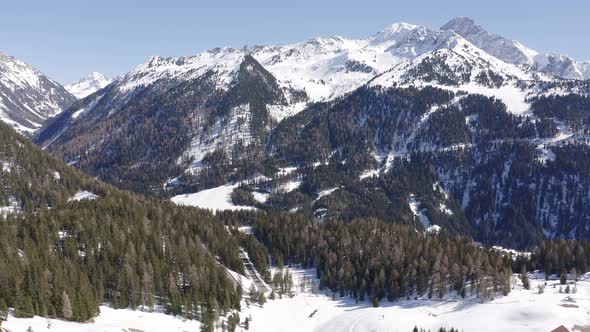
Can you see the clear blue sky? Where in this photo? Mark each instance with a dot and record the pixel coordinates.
(67, 39)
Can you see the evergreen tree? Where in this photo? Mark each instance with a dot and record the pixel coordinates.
(66, 306)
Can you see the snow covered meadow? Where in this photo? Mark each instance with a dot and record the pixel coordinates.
(521, 310)
(312, 310)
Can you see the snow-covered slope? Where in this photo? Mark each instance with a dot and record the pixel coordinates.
(315, 70)
(27, 97)
(321, 69)
(461, 66)
(514, 52)
(326, 68)
(215, 199)
(503, 48)
(109, 320)
(521, 310)
(88, 85)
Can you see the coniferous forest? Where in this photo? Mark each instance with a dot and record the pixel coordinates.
(64, 258)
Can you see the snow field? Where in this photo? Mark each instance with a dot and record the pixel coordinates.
(522, 310)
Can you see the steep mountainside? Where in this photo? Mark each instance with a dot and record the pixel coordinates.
(88, 85)
(460, 161)
(164, 117)
(68, 238)
(27, 97)
(194, 102)
(514, 52)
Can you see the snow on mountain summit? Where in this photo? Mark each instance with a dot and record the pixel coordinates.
(27, 97)
(498, 46)
(88, 85)
(462, 67)
(514, 52)
(393, 30)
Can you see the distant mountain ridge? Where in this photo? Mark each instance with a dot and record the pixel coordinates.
(28, 97)
(88, 85)
(512, 51)
(317, 70)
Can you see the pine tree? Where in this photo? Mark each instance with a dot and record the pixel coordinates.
(3, 310)
(375, 302)
(253, 294)
(525, 280)
(66, 306)
(563, 277)
(247, 324)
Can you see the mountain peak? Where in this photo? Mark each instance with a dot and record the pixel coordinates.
(400, 26)
(95, 75)
(503, 48)
(460, 22)
(466, 27)
(89, 84)
(392, 31)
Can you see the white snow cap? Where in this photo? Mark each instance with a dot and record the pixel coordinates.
(88, 85)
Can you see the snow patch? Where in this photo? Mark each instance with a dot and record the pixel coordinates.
(216, 199)
(83, 195)
(260, 197)
(419, 213)
(109, 320)
(13, 207)
(369, 174)
(326, 192)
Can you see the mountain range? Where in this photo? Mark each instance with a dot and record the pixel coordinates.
(472, 106)
(514, 52)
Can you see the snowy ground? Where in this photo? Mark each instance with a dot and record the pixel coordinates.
(219, 198)
(82, 195)
(311, 310)
(108, 320)
(522, 310)
(216, 199)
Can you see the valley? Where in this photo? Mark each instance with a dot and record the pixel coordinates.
(413, 179)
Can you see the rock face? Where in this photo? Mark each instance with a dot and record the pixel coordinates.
(88, 85)
(27, 97)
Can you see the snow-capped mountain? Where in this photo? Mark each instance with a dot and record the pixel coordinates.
(502, 48)
(88, 85)
(209, 89)
(514, 52)
(193, 115)
(461, 66)
(27, 97)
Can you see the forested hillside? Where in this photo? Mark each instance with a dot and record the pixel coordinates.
(62, 258)
(465, 162)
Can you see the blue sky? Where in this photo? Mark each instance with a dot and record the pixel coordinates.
(67, 39)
